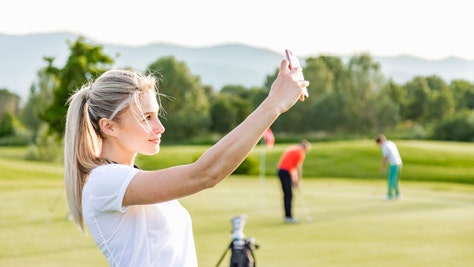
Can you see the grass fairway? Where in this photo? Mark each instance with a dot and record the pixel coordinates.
(433, 225)
(352, 225)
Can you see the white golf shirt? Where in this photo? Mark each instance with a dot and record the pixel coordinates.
(390, 150)
(142, 235)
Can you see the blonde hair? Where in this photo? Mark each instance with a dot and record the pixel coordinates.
(305, 144)
(111, 93)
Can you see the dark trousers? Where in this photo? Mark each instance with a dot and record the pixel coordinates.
(286, 186)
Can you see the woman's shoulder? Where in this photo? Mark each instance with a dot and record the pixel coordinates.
(112, 171)
(111, 167)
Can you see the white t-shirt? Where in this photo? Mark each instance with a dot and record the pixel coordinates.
(141, 235)
(390, 150)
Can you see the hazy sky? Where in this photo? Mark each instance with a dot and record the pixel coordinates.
(429, 29)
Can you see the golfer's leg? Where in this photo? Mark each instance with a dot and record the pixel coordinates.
(285, 179)
(392, 178)
(389, 188)
(288, 197)
(397, 176)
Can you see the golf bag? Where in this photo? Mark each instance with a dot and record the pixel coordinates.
(242, 248)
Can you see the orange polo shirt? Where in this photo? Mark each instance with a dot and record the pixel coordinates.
(292, 158)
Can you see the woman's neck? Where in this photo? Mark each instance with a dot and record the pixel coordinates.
(114, 153)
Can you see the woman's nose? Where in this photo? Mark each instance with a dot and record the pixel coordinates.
(158, 127)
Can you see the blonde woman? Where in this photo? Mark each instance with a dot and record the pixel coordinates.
(134, 215)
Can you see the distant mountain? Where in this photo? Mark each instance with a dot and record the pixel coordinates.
(22, 56)
(403, 68)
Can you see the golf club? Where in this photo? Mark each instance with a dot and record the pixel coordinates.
(303, 205)
(376, 184)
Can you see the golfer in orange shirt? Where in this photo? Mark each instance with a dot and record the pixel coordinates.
(290, 171)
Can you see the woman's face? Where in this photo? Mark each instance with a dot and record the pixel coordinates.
(142, 133)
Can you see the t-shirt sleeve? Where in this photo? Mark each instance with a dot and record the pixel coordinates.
(385, 151)
(107, 185)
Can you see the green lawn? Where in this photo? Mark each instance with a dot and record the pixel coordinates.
(422, 160)
(432, 225)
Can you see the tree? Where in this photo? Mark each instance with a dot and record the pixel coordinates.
(40, 97)
(85, 62)
(387, 113)
(418, 93)
(463, 93)
(365, 80)
(7, 124)
(242, 99)
(439, 106)
(12, 131)
(231, 105)
(186, 104)
(459, 127)
(469, 98)
(9, 102)
(328, 115)
(327, 76)
(395, 92)
(436, 83)
(320, 77)
(222, 114)
(257, 94)
(339, 72)
(295, 120)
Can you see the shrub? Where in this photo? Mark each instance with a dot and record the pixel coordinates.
(249, 166)
(47, 147)
(457, 128)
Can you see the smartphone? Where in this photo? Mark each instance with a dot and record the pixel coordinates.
(295, 63)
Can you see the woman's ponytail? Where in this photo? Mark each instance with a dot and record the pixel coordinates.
(81, 151)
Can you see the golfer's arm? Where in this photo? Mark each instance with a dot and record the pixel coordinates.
(300, 172)
(384, 163)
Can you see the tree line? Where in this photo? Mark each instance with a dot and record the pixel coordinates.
(350, 98)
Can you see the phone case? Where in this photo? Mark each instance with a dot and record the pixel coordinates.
(295, 63)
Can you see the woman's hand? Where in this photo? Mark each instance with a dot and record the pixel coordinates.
(286, 90)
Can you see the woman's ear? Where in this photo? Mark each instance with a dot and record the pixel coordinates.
(107, 126)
